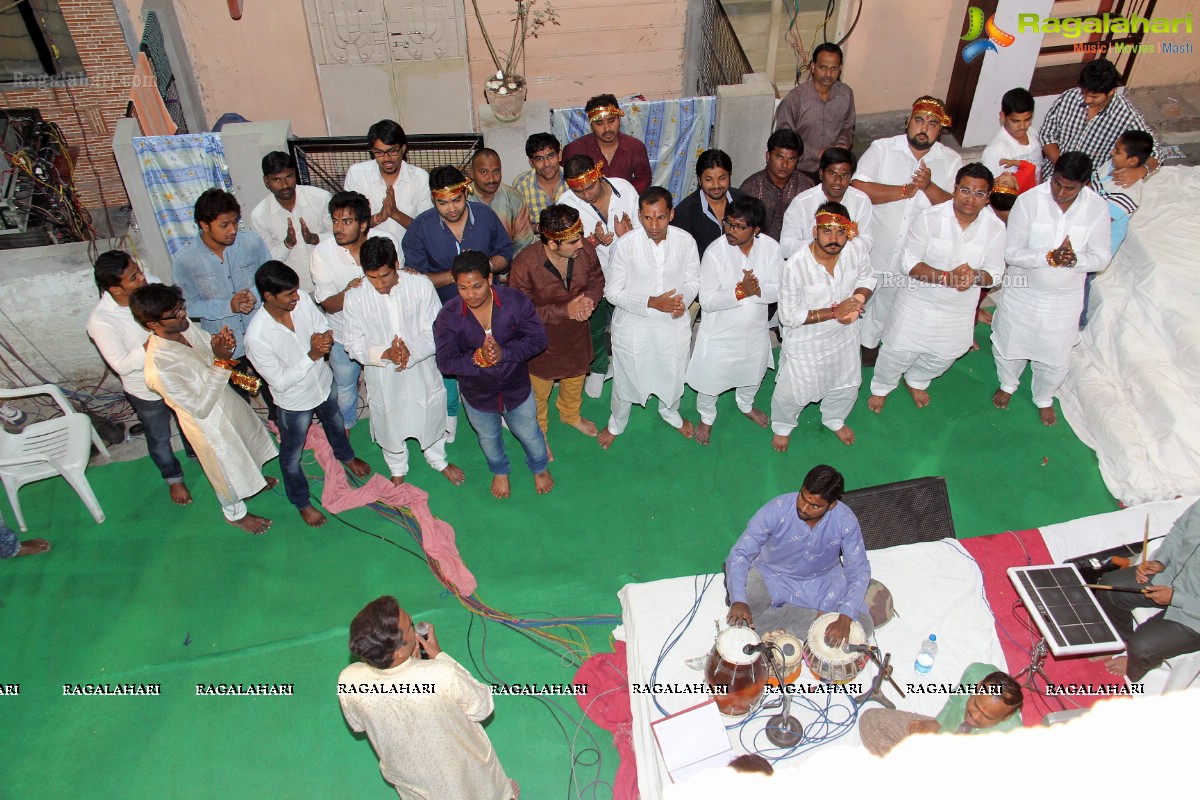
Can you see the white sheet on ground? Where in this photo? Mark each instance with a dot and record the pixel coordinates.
(937, 587)
(1133, 392)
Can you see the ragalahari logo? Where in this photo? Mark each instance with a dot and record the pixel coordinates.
(976, 27)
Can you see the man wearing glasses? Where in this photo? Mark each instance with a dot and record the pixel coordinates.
(192, 373)
(903, 175)
(397, 190)
(952, 251)
(739, 278)
(544, 183)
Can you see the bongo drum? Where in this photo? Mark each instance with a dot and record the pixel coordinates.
(792, 662)
(745, 675)
(832, 663)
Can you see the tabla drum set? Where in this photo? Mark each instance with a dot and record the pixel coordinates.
(743, 663)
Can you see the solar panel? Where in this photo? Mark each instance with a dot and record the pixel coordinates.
(1064, 610)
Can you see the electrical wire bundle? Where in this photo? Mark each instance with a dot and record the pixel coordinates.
(53, 198)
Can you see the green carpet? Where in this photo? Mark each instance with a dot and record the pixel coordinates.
(174, 596)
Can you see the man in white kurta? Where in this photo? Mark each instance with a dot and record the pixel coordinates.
(289, 338)
(421, 715)
(903, 176)
(230, 441)
(739, 278)
(388, 325)
(836, 171)
(1057, 233)
(396, 190)
(952, 250)
(821, 296)
(293, 219)
(1016, 124)
(652, 278)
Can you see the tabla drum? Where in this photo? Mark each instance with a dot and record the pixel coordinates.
(745, 675)
(832, 663)
(787, 655)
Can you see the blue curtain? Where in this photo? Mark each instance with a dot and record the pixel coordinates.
(176, 170)
(675, 133)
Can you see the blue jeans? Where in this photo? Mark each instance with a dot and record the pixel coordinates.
(522, 421)
(345, 381)
(10, 545)
(155, 417)
(293, 430)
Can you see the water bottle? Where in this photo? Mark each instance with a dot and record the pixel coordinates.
(924, 662)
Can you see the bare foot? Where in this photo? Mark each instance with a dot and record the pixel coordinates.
(549, 452)
(252, 523)
(1048, 416)
(585, 426)
(758, 418)
(271, 482)
(702, 433)
(845, 433)
(398, 480)
(974, 347)
(500, 486)
(180, 495)
(1000, 398)
(869, 355)
(875, 402)
(780, 443)
(454, 474)
(1118, 665)
(32, 547)
(358, 468)
(605, 438)
(984, 316)
(543, 482)
(687, 429)
(312, 517)
(919, 396)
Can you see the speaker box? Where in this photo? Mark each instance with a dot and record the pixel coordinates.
(904, 512)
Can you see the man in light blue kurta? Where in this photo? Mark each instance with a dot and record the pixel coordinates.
(801, 556)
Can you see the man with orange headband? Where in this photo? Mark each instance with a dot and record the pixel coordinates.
(653, 277)
(903, 176)
(608, 208)
(952, 251)
(624, 156)
(821, 296)
(563, 278)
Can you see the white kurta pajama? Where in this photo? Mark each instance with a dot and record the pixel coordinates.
(932, 325)
(733, 345)
(411, 403)
(624, 201)
(800, 219)
(650, 348)
(1038, 318)
(818, 362)
(230, 441)
(890, 161)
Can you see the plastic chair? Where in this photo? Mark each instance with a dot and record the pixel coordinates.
(58, 446)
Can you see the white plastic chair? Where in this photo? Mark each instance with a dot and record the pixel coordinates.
(57, 446)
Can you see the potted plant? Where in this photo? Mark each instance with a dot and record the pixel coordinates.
(505, 91)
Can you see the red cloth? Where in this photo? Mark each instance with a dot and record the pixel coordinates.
(607, 704)
(995, 554)
(437, 536)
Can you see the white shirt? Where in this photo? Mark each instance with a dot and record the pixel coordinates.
(1003, 145)
(270, 220)
(333, 267)
(411, 190)
(281, 357)
(122, 343)
(624, 200)
(410, 403)
(890, 161)
(800, 218)
(424, 726)
(1038, 314)
(733, 346)
(930, 318)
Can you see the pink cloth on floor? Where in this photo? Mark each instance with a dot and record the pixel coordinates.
(605, 673)
(437, 536)
(995, 554)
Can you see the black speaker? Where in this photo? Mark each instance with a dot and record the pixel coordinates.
(904, 512)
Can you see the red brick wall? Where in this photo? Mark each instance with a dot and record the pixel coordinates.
(98, 106)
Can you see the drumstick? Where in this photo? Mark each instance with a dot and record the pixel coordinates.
(1112, 588)
(1146, 539)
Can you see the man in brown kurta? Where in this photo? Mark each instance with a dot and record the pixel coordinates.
(563, 278)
